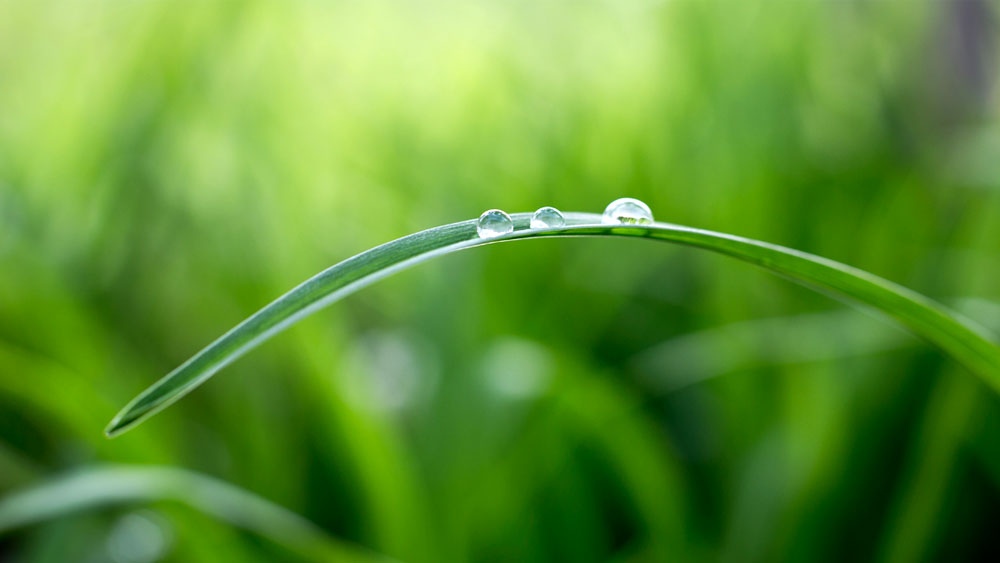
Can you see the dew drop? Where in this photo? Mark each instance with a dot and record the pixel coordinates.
(628, 211)
(547, 218)
(493, 223)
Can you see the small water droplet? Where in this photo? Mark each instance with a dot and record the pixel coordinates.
(547, 218)
(628, 211)
(493, 223)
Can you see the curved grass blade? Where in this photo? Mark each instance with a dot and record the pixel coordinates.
(117, 484)
(807, 338)
(965, 341)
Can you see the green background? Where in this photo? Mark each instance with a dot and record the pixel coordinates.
(167, 168)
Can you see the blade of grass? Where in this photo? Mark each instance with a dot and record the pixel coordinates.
(961, 338)
(921, 499)
(117, 484)
(797, 339)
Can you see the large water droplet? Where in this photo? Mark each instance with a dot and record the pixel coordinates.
(628, 211)
(493, 223)
(547, 218)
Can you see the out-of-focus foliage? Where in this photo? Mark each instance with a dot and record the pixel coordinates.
(166, 168)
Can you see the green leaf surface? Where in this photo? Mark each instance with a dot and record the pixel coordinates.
(117, 484)
(961, 338)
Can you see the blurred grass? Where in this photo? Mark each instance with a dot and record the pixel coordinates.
(123, 484)
(240, 147)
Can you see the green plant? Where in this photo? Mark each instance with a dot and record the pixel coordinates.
(125, 484)
(968, 343)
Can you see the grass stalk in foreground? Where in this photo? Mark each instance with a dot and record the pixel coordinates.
(959, 337)
(122, 484)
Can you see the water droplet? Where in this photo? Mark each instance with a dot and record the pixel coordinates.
(628, 211)
(547, 218)
(493, 223)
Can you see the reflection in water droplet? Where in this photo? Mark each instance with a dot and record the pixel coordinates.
(628, 211)
(547, 218)
(493, 223)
